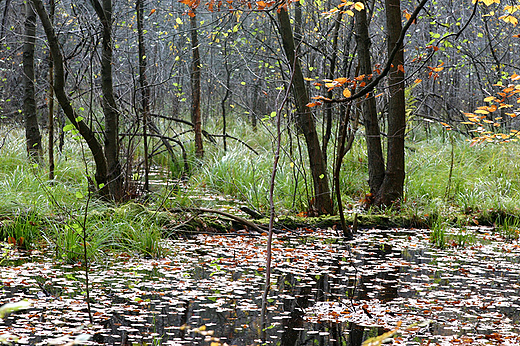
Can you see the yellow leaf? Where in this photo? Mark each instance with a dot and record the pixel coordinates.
(341, 80)
(481, 111)
(179, 21)
(308, 79)
(359, 6)
(347, 93)
(350, 13)
(331, 85)
(489, 99)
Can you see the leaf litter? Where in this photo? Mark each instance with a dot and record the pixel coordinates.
(207, 291)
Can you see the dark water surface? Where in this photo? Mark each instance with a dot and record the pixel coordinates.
(208, 289)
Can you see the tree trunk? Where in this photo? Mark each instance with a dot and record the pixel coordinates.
(322, 202)
(392, 188)
(59, 89)
(50, 149)
(332, 70)
(376, 164)
(32, 130)
(114, 176)
(195, 87)
(145, 89)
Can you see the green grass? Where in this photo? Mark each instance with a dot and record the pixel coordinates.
(484, 187)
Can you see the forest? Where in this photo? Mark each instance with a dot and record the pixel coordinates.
(242, 172)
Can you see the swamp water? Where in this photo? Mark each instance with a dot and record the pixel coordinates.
(207, 291)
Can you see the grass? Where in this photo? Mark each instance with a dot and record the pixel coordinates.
(484, 187)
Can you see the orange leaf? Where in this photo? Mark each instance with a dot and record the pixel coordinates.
(261, 5)
(341, 81)
(407, 14)
(347, 93)
(152, 11)
(400, 68)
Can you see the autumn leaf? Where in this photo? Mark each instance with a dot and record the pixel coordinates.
(341, 80)
(509, 19)
(261, 5)
(152, 11)
(347, 93)
(407, 15)
(359, 6)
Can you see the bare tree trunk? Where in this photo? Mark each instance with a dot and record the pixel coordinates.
(392, 188)
(4, 20)
(376, 164)
(145, 89)
(32, 130)
(59, 88)
(226, 96)
(332, 70)
(322, 201)
(114, 176)
(50, 149)
(195, 87)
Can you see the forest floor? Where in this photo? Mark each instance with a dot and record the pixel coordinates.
(207, 289)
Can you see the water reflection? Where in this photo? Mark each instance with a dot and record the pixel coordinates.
(325, 292)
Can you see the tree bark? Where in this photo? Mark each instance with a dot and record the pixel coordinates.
(392, 188)
(145, 89)
(376, 164)
(59, 89)
(32, 130)
(114, 176)
(322, 202)
(50, 149)
(195, 87)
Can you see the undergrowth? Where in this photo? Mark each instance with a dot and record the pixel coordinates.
(483, 187)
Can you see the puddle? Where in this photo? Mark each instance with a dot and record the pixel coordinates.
(324, 292)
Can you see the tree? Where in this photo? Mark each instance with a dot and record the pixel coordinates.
(391, 189)
(59, 88)
(114, 177)
(32, 130)
(195, 86)
(376, 164)
(144, 87)
(322, 202)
